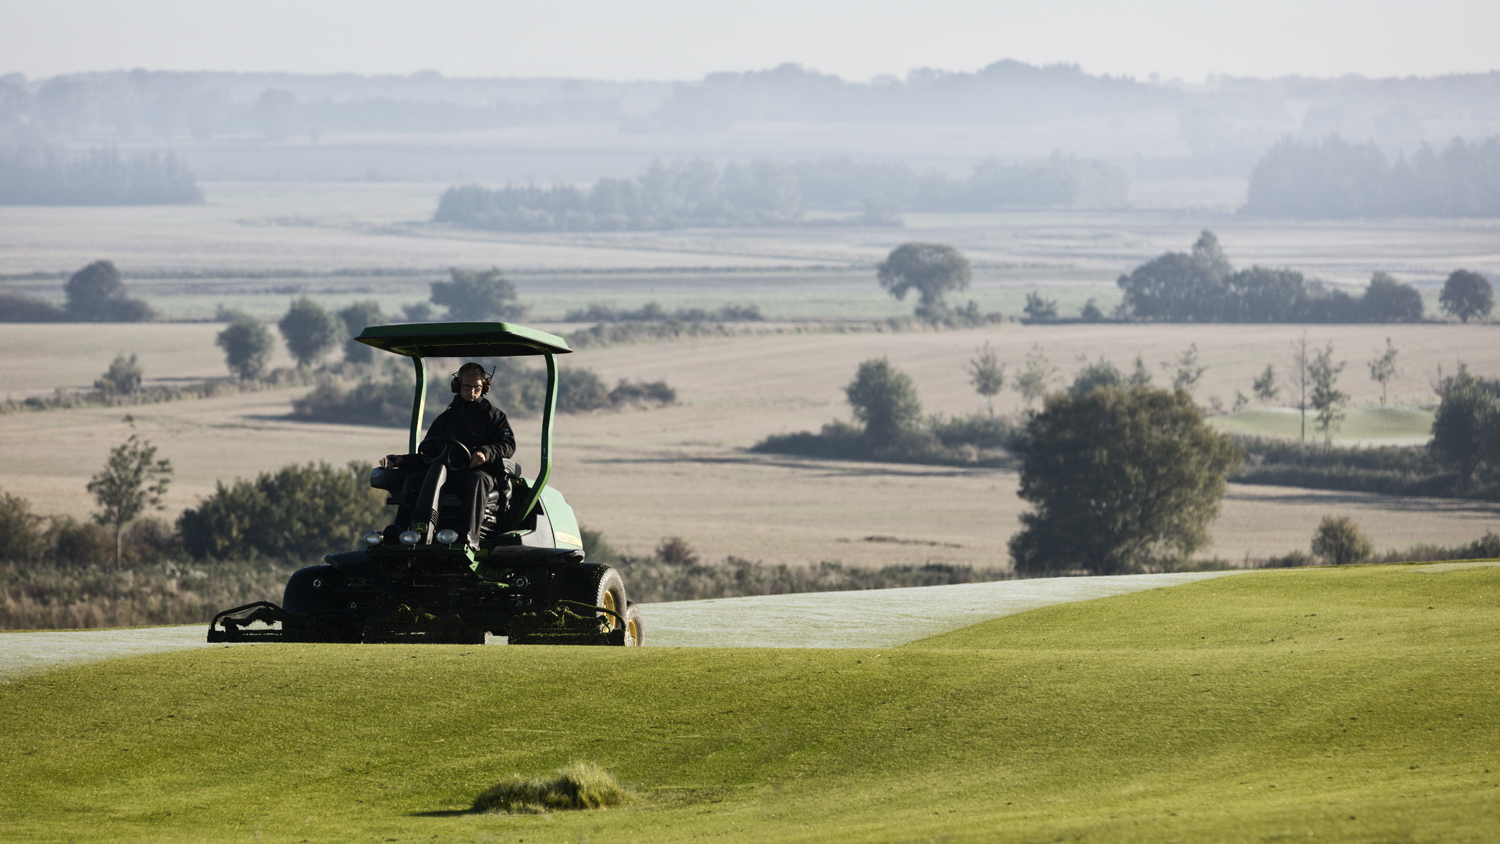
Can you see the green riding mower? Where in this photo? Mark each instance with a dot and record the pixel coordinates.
(527, 580)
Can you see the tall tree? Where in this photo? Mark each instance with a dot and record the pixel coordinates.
(1122, 481)
(884, 400)
(97, 294)
(987, 374)
(247, 345)
(1467, 294)
(1466, 428)
(132, 479)
(477, 296)
(1388, 300)
(932, 269)
(1383, 368)
(1326, 398)
(356, 318)
(310, 331)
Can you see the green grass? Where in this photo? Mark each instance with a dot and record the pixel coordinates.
(1356, 704)
(1361, 423)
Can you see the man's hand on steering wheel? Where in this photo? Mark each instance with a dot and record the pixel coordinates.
(451, 452)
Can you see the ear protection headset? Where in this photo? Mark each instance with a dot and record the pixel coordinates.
(454, 382)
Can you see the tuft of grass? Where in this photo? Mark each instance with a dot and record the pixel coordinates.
(581, 785)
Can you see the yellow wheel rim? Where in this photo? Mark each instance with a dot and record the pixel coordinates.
(609, 604)
(633, 631)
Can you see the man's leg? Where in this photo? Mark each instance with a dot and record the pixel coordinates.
(474, 486)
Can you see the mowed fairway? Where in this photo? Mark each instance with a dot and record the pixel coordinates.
(642, 475)
(1357, 704)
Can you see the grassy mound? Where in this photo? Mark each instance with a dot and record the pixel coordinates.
(1348, 704)
(581, 785)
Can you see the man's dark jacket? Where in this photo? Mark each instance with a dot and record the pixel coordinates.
(482, 427)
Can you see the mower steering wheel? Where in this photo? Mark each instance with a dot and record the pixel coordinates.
(454, 455)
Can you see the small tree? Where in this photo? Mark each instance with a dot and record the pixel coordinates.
(1185, 369)
(132, 480)
(123, 378)
(1031, 382)
(987, 374)
(884, 399)
(247, 346)
(1301, 377)
(310, 331)
(1139, 375)
(1265, 385)
(1339, 542)
(475, 295)
(1467, 294)
(1326, 399)
(1383, 368)
(931, 269)
(356, 318)
(1121, 480)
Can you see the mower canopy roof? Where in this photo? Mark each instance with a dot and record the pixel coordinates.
(462, 339)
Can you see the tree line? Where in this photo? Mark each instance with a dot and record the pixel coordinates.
(698, 192)
(47, 174)
(1341, 179)
(1202, 286)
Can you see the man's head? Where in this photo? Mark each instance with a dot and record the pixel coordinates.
(470, 382)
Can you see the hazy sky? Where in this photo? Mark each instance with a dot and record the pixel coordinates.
(684, 39)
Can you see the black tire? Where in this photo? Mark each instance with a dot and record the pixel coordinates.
(635, 627)
(595, 585)
(311, 590)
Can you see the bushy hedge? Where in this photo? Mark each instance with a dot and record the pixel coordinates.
(297, 512)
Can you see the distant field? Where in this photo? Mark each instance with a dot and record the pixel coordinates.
(254, 245)
(642, 475)
(1354, 704)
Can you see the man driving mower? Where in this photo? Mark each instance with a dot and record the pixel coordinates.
(480, 427)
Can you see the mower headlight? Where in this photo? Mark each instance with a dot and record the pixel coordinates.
(447, 536)
(410, 537)
(373, 538)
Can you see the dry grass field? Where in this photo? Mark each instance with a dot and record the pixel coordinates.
(684, 470)
(641, 475)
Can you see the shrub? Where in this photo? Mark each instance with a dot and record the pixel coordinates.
(297, 512)
(123, 378)
(21, 534)
(1338, 541)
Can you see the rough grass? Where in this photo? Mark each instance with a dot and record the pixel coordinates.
(1355, 704)
(1407, 425)
(581, 785)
